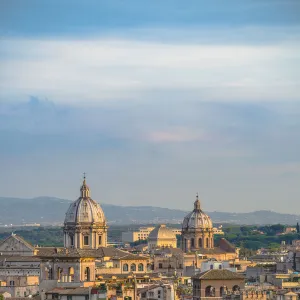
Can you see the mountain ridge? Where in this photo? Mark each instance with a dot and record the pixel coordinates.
(46, 210)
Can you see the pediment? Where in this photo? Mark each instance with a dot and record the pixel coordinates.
(15, 243)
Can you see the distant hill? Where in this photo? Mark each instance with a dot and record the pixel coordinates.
(49, 210)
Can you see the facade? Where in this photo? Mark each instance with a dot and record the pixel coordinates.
(16, 245)
(156, 292)
(197, 230)
(216, 284)
(161, 237)
(142, 234)
(85, 225)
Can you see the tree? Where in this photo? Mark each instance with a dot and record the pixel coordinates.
(1, 297)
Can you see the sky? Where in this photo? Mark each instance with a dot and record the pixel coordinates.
(154, 100)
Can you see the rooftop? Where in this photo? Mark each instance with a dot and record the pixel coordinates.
(218, 275)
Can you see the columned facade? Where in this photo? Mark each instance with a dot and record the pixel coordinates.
(197, 230)
(85, 225)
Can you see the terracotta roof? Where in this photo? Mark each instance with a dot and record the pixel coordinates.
(77, 253)
(132, 257)
(215, 250)
(218, 275)
(148, 288)
(70, 291)
(15, 258)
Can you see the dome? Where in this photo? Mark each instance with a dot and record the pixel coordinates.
(84, 209)
(162, 232)
(197, 219)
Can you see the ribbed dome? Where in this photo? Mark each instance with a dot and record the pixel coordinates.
(197, 219)
(84, 209)
(162, 232)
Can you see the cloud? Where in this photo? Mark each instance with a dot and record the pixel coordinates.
(175, 135)
(99, 69)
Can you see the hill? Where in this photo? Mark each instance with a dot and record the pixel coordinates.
(50, 210)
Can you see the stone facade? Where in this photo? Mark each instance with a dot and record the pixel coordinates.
(16, 245)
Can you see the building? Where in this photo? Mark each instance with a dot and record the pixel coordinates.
(16, 245)
(216, 283)
(156, 292)
(197, 230)
(19, 275)
(85, 225)
(288, 230)
(142, 234)
(161, 237)
(197, 239)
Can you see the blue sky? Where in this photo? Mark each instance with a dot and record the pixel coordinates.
(154, 100)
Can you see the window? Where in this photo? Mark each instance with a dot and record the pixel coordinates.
(220, 267)
(11, 283)
(141, 267)
(71, 273)
(192, 243)
(69, 297)
(86, 240)
(125, 268)
(207, 243)
(160, 266)
(87, 274)
(72, 240)
(100, 240)
(133, 267)
(200, 243)
(211, 267)
(158, 294)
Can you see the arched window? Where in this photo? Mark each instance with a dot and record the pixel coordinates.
(87, 274)
(236, 288)
(192, 242)
(100, 240)
(71, 274)
(133, 267)
(207, 243)
(141, 267)
(210, 291)
(125, 267)
(223, 290)
(59, 273)
(200, 243)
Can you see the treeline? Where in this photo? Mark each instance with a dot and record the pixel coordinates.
(255, 237)
(248, 238)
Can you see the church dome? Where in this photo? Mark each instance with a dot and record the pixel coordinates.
(84, 209)
(197, 219)
(162, 232)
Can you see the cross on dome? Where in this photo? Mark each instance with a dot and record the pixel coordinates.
(197, 205)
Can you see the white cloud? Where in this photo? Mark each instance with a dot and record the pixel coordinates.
(100, 69)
